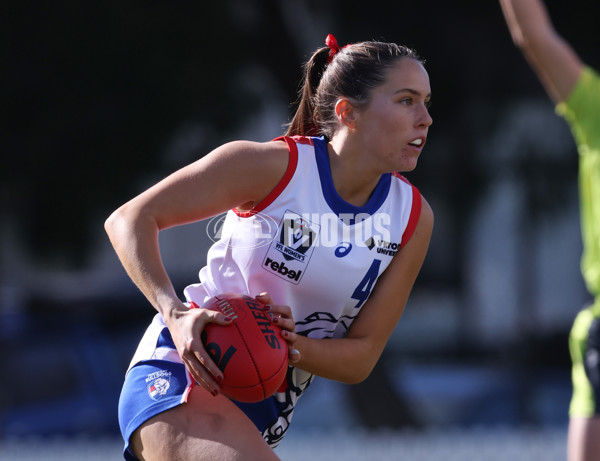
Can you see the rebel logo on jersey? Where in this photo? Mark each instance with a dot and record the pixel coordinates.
(288, 256)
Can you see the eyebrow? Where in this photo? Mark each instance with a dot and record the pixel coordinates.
(411, 91)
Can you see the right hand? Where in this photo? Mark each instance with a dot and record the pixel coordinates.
(282, 317)
(186, 325)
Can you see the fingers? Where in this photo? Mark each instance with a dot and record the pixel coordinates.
(280, 315)
(216, 317)
(283, 318)
(282, 322)
(293, 353)
(201, 371)
(264, 298)
(196, 358)
(212, 316)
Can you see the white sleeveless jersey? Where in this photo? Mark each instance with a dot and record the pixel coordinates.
(310, 250)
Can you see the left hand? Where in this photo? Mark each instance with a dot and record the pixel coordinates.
(283, 318)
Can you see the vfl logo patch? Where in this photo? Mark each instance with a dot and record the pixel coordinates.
(159, 383)
(290, 253)
(296, 237)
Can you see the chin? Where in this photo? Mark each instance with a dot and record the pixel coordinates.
(407, 167)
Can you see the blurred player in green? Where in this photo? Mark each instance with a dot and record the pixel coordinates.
(575, 89)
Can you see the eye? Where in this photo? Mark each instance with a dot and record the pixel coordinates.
(406, 101)
(428, 103)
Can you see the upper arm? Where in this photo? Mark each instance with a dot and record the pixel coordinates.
(380, 314)
(237, 174)
(552, 58)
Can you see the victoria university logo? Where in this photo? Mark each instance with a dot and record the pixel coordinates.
(383, 246)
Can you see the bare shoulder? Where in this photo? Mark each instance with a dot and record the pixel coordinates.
(417, 245)
(256, 166)
(256, 157)
(274, 154)
(427, 217)
(236, 174)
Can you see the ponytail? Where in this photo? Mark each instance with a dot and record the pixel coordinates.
(350, 72)
(304, 123)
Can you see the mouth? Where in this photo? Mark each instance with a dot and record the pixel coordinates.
(417, 142)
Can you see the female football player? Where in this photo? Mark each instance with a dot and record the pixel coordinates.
(321, 228)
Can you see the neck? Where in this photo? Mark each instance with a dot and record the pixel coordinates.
(354, 181)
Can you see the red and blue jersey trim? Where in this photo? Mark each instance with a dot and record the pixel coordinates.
(335, 202)
(279, 188)
(415, 211)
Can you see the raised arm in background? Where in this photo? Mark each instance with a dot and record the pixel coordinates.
(552, 58)
(575, 89)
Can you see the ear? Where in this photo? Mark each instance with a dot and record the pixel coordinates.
(346, 113)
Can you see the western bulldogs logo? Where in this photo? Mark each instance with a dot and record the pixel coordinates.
(159, 384)
(290, 253)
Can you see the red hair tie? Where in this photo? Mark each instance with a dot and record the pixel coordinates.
(334, 48)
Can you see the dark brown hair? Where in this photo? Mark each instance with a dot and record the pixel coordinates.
(353, 73)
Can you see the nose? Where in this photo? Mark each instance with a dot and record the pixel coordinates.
(424, 118)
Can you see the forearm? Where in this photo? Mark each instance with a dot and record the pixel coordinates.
(135, 240)
(348, 360)
(351, 359)
(526, 20)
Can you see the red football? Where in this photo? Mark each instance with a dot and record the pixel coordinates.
(249, 351)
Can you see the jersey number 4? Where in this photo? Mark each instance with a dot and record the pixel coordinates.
(363, 290)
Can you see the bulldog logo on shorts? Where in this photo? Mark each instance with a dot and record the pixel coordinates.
(159, 384)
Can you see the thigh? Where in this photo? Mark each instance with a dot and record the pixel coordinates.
(204, 428)
(584, 439)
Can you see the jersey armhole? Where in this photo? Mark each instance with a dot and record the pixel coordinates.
(415, 214)
(278, 189)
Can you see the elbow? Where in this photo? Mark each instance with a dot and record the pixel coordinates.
(358, 374)
(120, 221)
(532, 42)
(527, 46)
(356, 379)
(360, 361)
(521, 39)
(109, 223)
(520, 42)
(112, 222)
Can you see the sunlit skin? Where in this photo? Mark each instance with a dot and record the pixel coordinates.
(366, 143)
(380, 137)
